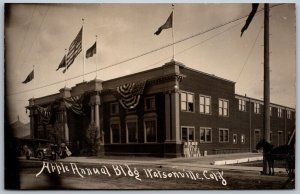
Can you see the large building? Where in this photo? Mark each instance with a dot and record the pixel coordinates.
(154, 112)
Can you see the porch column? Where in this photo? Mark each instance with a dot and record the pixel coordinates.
(66, 128)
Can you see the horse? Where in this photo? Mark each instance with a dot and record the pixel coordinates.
(284, 152)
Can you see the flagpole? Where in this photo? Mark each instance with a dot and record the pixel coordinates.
(34, 77)
(173, 30)
(83, 49)
(65, 68)
(96, 59)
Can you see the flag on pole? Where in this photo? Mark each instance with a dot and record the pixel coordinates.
(29, 77)
(166, 25)
(74, 50)
(250, 17)
(91, 51)
(62, 63)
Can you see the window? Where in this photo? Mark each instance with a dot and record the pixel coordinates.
(234, 139)
(187, 102)
(256, 108)
(205, 135)
(205, 104)
(223, 107)
(115, 132)
(114, 108)
(131, 131)
(242, 105)
(279, 112)
(288, 114)
(243, 139)
(271, 136)
(149, 103)
(187, 134)
(223, 135)
(150, 130)
(270, 111)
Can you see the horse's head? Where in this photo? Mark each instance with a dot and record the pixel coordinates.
(261, 144)
(264, 144)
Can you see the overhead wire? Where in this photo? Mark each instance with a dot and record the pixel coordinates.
(146, 53)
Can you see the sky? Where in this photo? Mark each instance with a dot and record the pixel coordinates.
(37, 34)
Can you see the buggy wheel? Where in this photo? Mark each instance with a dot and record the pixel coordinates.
(40, 156)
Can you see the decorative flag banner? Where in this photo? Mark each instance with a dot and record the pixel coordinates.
(129, 94)
(62, 63)
(75, 104)
(29, 77)
(74, 50)
(166, 25)
(44, 114)
(91, 51)
(250, 17)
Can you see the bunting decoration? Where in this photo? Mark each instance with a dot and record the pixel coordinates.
(166, 25)
(74, 50)
(29, 77)
(45, 114)
(91, 51)
(75, 104)
(129, 94)
(250, 17)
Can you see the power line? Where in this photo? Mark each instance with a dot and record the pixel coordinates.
(249, 54)
(195, 45)
(146, 53)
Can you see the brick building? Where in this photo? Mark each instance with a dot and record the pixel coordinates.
(171, 105)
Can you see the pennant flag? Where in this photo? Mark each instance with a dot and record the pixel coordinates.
(91, 51)
(75, 104)
(250, 17)
(44, 114)
(129, 94)
(74, 50)
(62, 63)
(166, 25)
(29, 77)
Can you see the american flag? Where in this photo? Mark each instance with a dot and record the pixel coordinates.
(74, 50)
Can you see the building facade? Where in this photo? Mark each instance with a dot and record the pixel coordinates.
(154, 112)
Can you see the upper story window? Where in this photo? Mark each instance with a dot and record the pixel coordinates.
(187, 101)
(205, 104)
(256, 108)
(114, 108)
(223, 107)
(279, 112)
(149, 103)
(270, 111)
(288, 114)
(242, 105)
(234, 139)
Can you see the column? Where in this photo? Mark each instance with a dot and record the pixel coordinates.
(66, 128)
(167, 117)
(175, 129)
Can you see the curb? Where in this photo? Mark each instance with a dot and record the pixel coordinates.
(236, 161)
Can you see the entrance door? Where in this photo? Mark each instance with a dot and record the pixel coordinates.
(280, 138)
(256, 136)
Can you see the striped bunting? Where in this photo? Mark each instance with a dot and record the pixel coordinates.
(74, 50)
(129, 94)
(44, 114)
(75, 104)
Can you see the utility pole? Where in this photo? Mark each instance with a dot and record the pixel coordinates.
(266, 84)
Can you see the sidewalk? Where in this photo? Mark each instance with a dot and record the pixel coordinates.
(201, 163)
